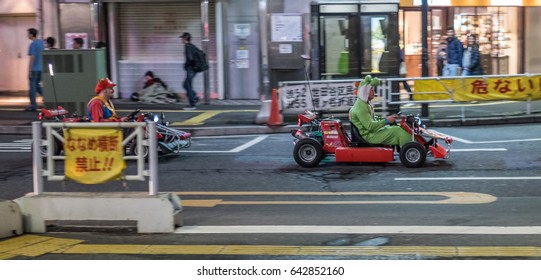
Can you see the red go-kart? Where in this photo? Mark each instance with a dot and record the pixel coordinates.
(316, 139)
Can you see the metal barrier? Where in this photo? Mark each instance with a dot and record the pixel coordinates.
(388, 93)
(51, 134)
(337, 95)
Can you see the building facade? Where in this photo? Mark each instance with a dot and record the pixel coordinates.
(253, 45)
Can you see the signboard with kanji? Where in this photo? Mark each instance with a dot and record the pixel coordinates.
(327, 97)
(481, 89)
(93, 156)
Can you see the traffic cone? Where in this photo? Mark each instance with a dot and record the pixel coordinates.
(275, 117)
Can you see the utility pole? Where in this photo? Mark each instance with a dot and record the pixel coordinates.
(424, 56)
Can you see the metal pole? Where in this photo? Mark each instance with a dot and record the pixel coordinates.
(529, 105)
(153, 185)
(205, 46)
(37, 163)
(263, 34)
(39, 16)
(112, 44)
(424, 60)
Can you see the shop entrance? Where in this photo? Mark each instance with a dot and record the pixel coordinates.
(355, 40)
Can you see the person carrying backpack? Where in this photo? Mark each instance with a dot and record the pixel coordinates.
(190, 66)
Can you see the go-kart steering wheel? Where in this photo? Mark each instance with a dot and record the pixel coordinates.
(133, 114)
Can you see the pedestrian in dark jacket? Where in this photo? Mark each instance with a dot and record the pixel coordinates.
(454, 54)
(471, 60)
(189, 50)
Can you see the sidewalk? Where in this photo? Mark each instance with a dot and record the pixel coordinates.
(229, 117)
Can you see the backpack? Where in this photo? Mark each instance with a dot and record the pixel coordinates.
(200, 60)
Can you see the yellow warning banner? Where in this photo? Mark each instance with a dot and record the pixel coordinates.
(93, 156)
(480, 89)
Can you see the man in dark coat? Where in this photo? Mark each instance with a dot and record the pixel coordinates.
(454, 54)
(189, 51)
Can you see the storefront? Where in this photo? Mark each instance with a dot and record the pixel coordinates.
(501, 28)
(353, 40)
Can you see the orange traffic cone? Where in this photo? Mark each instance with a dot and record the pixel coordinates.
(275, 117)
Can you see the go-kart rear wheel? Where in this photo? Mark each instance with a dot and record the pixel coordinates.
(308, 152)
(413, 154)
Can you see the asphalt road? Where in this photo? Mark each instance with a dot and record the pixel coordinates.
(252, 188)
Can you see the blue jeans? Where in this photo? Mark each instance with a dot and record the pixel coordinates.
(192, 96)
(35, 79)
(465, 72)
(450, 70)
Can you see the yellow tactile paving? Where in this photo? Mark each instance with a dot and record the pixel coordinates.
(479, 251)
(51, 245)
(432, 251)
(261, 250)
(186, 249)
(4, 256)
(20, 242)
(32, 245)
(106, 249)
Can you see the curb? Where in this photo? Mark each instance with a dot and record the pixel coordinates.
(264, 129)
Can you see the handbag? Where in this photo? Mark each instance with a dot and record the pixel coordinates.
(402, 70)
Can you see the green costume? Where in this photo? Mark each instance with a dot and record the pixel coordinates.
(374, 129)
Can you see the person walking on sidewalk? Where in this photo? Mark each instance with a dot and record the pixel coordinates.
(34, 67)
(454, 54)
(101, 108)
(189, 52)
(471, 60)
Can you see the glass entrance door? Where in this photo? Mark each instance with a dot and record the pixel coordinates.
(374, 38)
(339, 45)
(357, 44)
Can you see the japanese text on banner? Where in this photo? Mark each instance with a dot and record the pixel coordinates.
(326, 97)
(93, 156)
(483, 89)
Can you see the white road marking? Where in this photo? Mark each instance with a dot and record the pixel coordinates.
(249, 144)
(480, 150)
(17, 146)
(507, 141)
(465, 178)
(227, 136)
(489, 142)
(237, 149)
(327, 229)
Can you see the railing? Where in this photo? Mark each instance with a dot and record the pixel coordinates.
(337, 95)
(51, 134)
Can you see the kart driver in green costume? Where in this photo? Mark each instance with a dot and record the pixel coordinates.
(374, 129)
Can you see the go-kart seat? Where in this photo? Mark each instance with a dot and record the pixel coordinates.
(357, 139)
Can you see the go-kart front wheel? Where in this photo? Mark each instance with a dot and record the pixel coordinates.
(413, 154)
(308, 152)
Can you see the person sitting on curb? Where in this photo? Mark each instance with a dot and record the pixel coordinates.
(101, 108)
(375, 130)
(155, 91)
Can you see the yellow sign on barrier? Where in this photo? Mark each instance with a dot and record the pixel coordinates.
(480, 89)
(93, 156)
